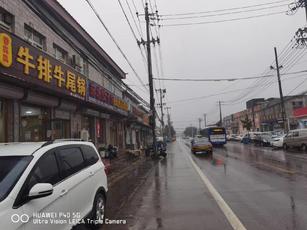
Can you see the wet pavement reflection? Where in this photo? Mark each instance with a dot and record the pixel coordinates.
(291, 162)
(265, 188)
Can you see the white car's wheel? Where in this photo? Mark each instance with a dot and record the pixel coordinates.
(98, 212)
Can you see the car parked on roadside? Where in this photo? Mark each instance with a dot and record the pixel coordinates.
(233, 137)
(60, 177)
(296, 138)
(278, 141)
(201, 145)
(266, 139)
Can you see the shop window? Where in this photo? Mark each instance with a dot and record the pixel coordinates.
(34, 37)
(59, 53)
(6, 20)
(33, 123)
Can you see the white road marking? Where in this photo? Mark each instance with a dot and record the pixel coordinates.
(231, 217)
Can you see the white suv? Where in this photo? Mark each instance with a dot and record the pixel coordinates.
(51, 185)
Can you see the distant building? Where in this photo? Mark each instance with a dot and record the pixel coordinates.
(271, 116)
(300, 115)
(266, 115)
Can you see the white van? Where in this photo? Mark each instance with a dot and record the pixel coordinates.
(296, 138)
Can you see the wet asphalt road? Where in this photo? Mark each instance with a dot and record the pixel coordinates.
(265, 189)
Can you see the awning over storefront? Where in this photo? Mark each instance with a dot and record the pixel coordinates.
(11, 92)
(41, 99)
(67, 106)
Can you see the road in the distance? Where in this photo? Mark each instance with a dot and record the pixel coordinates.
(265, 189)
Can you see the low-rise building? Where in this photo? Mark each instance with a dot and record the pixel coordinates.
(266, 115)
(55, 80)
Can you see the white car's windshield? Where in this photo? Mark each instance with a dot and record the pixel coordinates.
(11, 168)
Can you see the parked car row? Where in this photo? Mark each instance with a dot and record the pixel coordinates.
(293, 139)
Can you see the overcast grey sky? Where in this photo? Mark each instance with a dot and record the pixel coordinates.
(218, 50)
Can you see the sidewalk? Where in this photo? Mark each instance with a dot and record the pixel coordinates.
(172, 197)
(122, 165)
(126, 176)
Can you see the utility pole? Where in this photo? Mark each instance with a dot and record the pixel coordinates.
(205, 120)
(221, 118)
(161, 104)
(282, 103)
(192, 131)
(168, 121)
(150, 80)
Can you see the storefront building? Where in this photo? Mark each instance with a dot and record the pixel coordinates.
(301, 116)
(54, 81)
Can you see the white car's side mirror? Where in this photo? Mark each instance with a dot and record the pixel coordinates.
(40, 190)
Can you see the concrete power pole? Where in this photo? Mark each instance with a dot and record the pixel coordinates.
(221, 118)
(205, 120)
(150, 79)
(199, 125)
(161, 104)
(168, 121)
(192, 131)
(282, 103)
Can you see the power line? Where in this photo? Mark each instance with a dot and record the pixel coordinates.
(212, 79)
(296, 59)
(225, 79)
(137, 14)
(221, 14)
(297, 86)
(221, 10)
(226, 20)
(225, 92)
(116, 43)
(264, 87)
(131, 29)
(256, 86)
(137, 28)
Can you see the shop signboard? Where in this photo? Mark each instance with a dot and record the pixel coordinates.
(21, 61)
(301, 112)
(140, 115)
(104, 98)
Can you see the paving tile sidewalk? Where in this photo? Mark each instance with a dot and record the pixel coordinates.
(126, 175)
